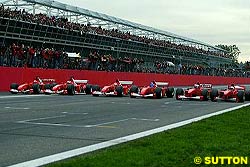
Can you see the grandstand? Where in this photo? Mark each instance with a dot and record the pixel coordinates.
(50, 24)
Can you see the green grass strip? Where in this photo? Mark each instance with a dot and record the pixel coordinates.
(224, 135)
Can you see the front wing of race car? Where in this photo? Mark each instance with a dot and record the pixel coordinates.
(99, 93)
(183, 97)
(140, 95)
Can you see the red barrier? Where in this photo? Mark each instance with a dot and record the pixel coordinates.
(10, 75)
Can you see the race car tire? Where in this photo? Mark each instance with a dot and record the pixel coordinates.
(214, 93)
(178, 93)
(247, 95)
(14, 86)
(53, 85)
(119, 91)
(133, 89)
(170, 93)
(36, 88)
(96, 88)
(71, 89)
(47, 86)
(158, 93)
(240, 96)
(204, 93)
(88, 89)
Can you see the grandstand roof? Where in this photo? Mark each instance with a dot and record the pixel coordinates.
(114, 20)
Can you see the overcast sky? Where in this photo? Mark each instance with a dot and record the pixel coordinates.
(211, 21)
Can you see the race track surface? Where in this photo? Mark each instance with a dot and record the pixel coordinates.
(36, 126)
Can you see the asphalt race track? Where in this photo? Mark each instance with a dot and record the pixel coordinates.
(36, 126)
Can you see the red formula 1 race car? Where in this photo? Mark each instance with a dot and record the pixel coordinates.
(231, 93)
(71, 87)
(119, 88)
(198, 92)
(154, 90)
(37, 86)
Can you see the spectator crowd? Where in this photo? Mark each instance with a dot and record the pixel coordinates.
(83, 28)
(21, 55)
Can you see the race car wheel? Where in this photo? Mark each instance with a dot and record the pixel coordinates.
(53, 85)
(71, 89)
(14, 86)
(36, 88)
(204, 93)
(240, 96)
(158, 93)
(178, 93)
(88, 89)
(247, 95)
(214, 93)
(47, 86)
(170, 92)
(119, 91)
(96, 88)
(133, 89)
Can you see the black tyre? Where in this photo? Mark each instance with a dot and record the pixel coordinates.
(204, 93)
(214, 94)
(247, 95)
(96, 88)
(53, 85)
(170, 93)
(179, 92)
(36, 88)
(14, 86)
(47, 86)
(71, 89)
(133, 89)
(119, 90)
(158, 93)
(240, 96)
(88, 89)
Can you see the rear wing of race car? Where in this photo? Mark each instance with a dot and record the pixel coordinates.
(126, 82)
(240, 87)
(208, 86)
(162, 84)
(81, 81)
(48, 80)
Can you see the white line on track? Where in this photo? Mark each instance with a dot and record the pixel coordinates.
(16, 108)
(60, 125)
(39, 119)
(30, 121)
(21, 96)
(74, 113)
(94, 147)
(106, 123)
(142, 119)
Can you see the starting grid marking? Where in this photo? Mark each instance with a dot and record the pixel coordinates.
(99, 125)
(16, 108)
(94, 147)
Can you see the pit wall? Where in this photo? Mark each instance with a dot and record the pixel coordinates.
(10, 75)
